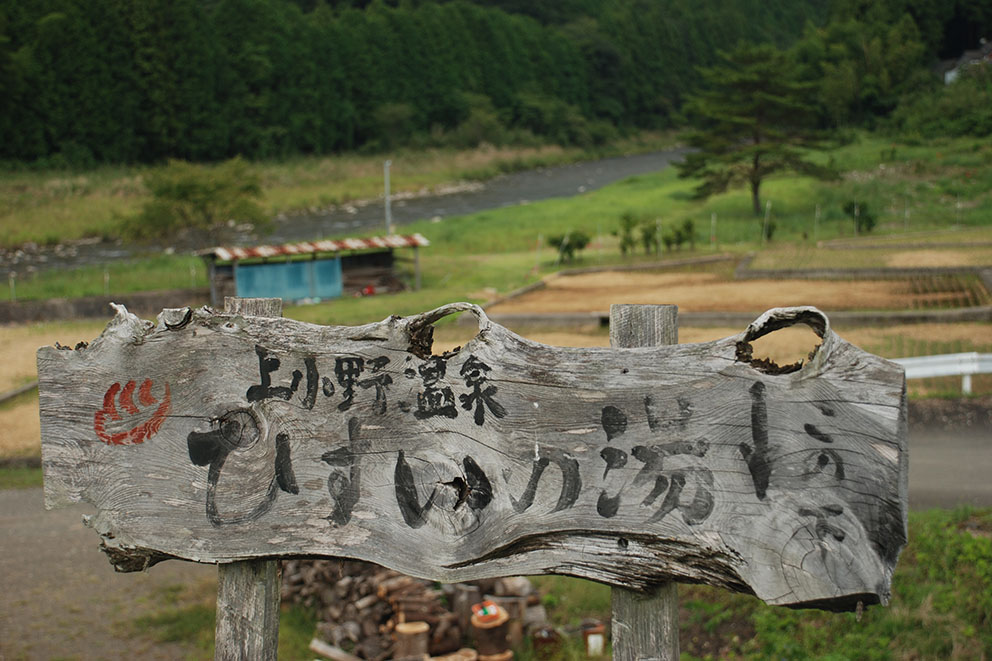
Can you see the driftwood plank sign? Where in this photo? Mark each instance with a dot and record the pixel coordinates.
(218, 438)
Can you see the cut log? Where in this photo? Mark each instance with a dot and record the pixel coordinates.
(465, 596)
(515, 608)
(513, 586)
(412, 640)
(331, 652)
(490, 634)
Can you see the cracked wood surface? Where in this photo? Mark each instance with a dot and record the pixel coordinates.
(217, 438)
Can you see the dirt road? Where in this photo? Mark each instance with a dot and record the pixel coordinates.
(63, 600)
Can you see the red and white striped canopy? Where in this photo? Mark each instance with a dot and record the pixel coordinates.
(232, 254)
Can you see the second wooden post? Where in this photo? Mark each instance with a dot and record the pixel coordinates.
(645, 626)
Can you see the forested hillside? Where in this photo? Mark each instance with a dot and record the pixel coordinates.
(86, 81)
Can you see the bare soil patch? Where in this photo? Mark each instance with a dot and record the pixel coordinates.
(707, 292)
(935, 258)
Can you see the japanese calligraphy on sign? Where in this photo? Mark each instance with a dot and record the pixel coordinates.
(267, 437)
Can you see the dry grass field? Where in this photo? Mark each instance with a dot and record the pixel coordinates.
(19, 426)
(704, 292)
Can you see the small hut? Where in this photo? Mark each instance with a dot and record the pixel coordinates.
(312, 270)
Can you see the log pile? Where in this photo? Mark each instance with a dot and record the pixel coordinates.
(359, 605)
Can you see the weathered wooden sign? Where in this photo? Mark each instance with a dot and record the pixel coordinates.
(218, 438)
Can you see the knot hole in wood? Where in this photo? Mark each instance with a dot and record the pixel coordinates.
(421, 328)
(783, 339)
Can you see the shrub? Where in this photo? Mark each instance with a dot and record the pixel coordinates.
(187, 196)
(569, 244)
(649, 237)
(958, 109)
(862, 216)
(626, 232)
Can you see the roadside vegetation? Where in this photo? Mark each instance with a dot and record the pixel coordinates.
(941, 608)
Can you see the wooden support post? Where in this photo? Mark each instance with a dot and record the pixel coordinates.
(416, 268)
(248, 591)
(645, 626)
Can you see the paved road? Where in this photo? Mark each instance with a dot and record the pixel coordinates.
(950, 468)
(503, 191)
(62, 599)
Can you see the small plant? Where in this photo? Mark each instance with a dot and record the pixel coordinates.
(649, 237)
(569, 244)
(669, 238)
(863, 218)
(679, 235)
(688, 232)
(767, 229)
(626, 232)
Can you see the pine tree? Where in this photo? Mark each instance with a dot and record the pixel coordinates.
(750, 122)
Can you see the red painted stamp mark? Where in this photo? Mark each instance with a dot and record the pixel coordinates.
(130, 434)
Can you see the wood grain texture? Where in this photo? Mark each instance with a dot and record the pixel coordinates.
(645, 626)
(216, 438)
(248, 611)
(633, 326)
(253, 307)
(248, 591)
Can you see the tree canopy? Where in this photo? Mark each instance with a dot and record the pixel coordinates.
(751, 121)
(87, 81)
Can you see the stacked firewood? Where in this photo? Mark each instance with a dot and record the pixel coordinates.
(359, 605)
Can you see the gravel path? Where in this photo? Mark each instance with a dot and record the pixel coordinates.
(62, 599)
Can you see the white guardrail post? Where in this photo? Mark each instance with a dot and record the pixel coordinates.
(951, 364)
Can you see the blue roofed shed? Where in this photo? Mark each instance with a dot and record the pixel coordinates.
(312, 270)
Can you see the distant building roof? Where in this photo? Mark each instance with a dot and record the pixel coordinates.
(233, 254)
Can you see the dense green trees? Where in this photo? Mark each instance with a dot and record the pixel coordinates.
(960, 108)
(144, 80)
(85, 81)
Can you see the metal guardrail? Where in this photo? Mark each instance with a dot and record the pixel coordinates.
(950, 364)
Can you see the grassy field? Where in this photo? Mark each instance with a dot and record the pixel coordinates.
(47, 207)
(945, 186)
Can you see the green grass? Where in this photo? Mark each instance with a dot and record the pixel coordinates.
(158, 272)
(187, 615)
(20, 477)
(665, 197)
(941, 606)
(944, 184)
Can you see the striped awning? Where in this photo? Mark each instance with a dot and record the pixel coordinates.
(233, 254)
